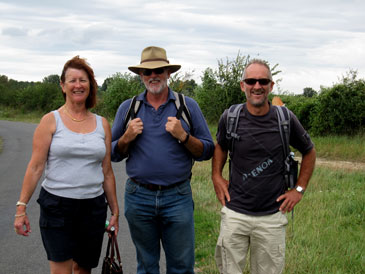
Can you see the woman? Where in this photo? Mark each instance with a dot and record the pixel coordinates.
(73, 146)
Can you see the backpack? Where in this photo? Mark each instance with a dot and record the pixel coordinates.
(180, 103)
(290, 165)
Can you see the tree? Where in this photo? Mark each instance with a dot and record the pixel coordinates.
(120, 88)
(52, 79)
(340, 109)
(309, 92)
(221, 88)
(184, 84)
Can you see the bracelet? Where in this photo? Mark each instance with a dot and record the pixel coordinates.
(20, 215)
(19, 203)
(186, 139)
(115, 214)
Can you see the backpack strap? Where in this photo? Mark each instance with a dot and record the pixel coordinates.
(132, 111)
(180, 103)
(233, 114)
(284, 127)
(182, 110)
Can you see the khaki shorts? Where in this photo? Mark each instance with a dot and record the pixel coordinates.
(263, 235)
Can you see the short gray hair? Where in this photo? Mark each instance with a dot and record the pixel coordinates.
(260, 62)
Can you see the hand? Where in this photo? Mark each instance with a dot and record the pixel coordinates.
(291, 198)
(174, 127)
(134, 128)
(114, 222)
(221, 190)
(22, 225)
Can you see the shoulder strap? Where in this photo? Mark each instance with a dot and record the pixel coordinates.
(284, 127)
(132, 111)
(182, 110)
(233, 114)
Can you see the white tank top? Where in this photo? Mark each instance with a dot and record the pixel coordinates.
(74, 164)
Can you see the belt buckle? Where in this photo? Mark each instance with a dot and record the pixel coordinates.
(159, 187)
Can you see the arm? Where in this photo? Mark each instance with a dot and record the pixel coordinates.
(42, 139)
(109, 180)
(200, 145)
(292, 197)
(220, 184)
(193, 144)
(134, 128)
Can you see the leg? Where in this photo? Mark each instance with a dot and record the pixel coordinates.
(88, 233)
(80, 270)
(140, 212)
(177, 212)
(61, 267)
(233, 242)
(268, 244)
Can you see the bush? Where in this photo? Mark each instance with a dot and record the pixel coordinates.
(303, 107)
(41, 96)
(120, 88)
(340, 110)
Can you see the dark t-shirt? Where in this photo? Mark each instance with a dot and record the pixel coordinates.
(257, 166)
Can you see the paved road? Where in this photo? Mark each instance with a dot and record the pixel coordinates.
(25, 255)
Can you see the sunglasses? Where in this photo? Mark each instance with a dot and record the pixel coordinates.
(148, 72)
(253, 81)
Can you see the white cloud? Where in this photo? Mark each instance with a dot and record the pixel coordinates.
(314, 42)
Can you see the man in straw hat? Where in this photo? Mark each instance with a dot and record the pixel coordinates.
(160, 150)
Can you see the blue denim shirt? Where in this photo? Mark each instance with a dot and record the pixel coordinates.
(155, 156)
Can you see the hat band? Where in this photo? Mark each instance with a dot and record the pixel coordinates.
(156, 59)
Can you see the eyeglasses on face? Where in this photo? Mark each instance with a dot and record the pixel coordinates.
(253, 81)
(148, 72)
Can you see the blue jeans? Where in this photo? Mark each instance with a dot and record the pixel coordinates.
(162, 216)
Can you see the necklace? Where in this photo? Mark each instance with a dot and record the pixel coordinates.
(72, 118)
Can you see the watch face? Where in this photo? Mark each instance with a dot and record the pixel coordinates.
(299, 189)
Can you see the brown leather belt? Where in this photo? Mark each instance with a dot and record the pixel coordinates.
(154, 187)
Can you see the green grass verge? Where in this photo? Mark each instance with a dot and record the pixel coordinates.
(11, 114)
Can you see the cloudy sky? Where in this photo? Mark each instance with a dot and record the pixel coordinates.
(314, 42)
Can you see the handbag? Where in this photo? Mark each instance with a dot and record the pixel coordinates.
(110, 264)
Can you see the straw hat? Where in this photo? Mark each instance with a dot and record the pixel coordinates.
(152, 58)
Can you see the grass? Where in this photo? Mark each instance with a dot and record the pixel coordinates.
(1, 144)
(11, 114)
(341, 148)
(329, 224)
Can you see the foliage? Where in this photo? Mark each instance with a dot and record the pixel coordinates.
(53, 78)
(183, 84)
(120, 87)
(309, 92)
(340, 110)
(42, 96)
(303, 107)
(105, 84)
(221, 88)
(29, 96)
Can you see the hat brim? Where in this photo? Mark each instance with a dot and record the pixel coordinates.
(154, 65)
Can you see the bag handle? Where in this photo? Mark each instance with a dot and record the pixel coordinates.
(114, 249)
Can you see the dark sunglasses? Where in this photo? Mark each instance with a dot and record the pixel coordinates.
(253, 81)
(148, 72)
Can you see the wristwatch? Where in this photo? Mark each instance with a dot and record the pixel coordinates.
(299, 189)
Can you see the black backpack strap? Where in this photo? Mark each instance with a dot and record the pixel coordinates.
(233, 114)
(284, 127)
(182, 110)
(132, 111)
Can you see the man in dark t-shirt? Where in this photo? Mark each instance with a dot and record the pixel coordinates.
(255, 199)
